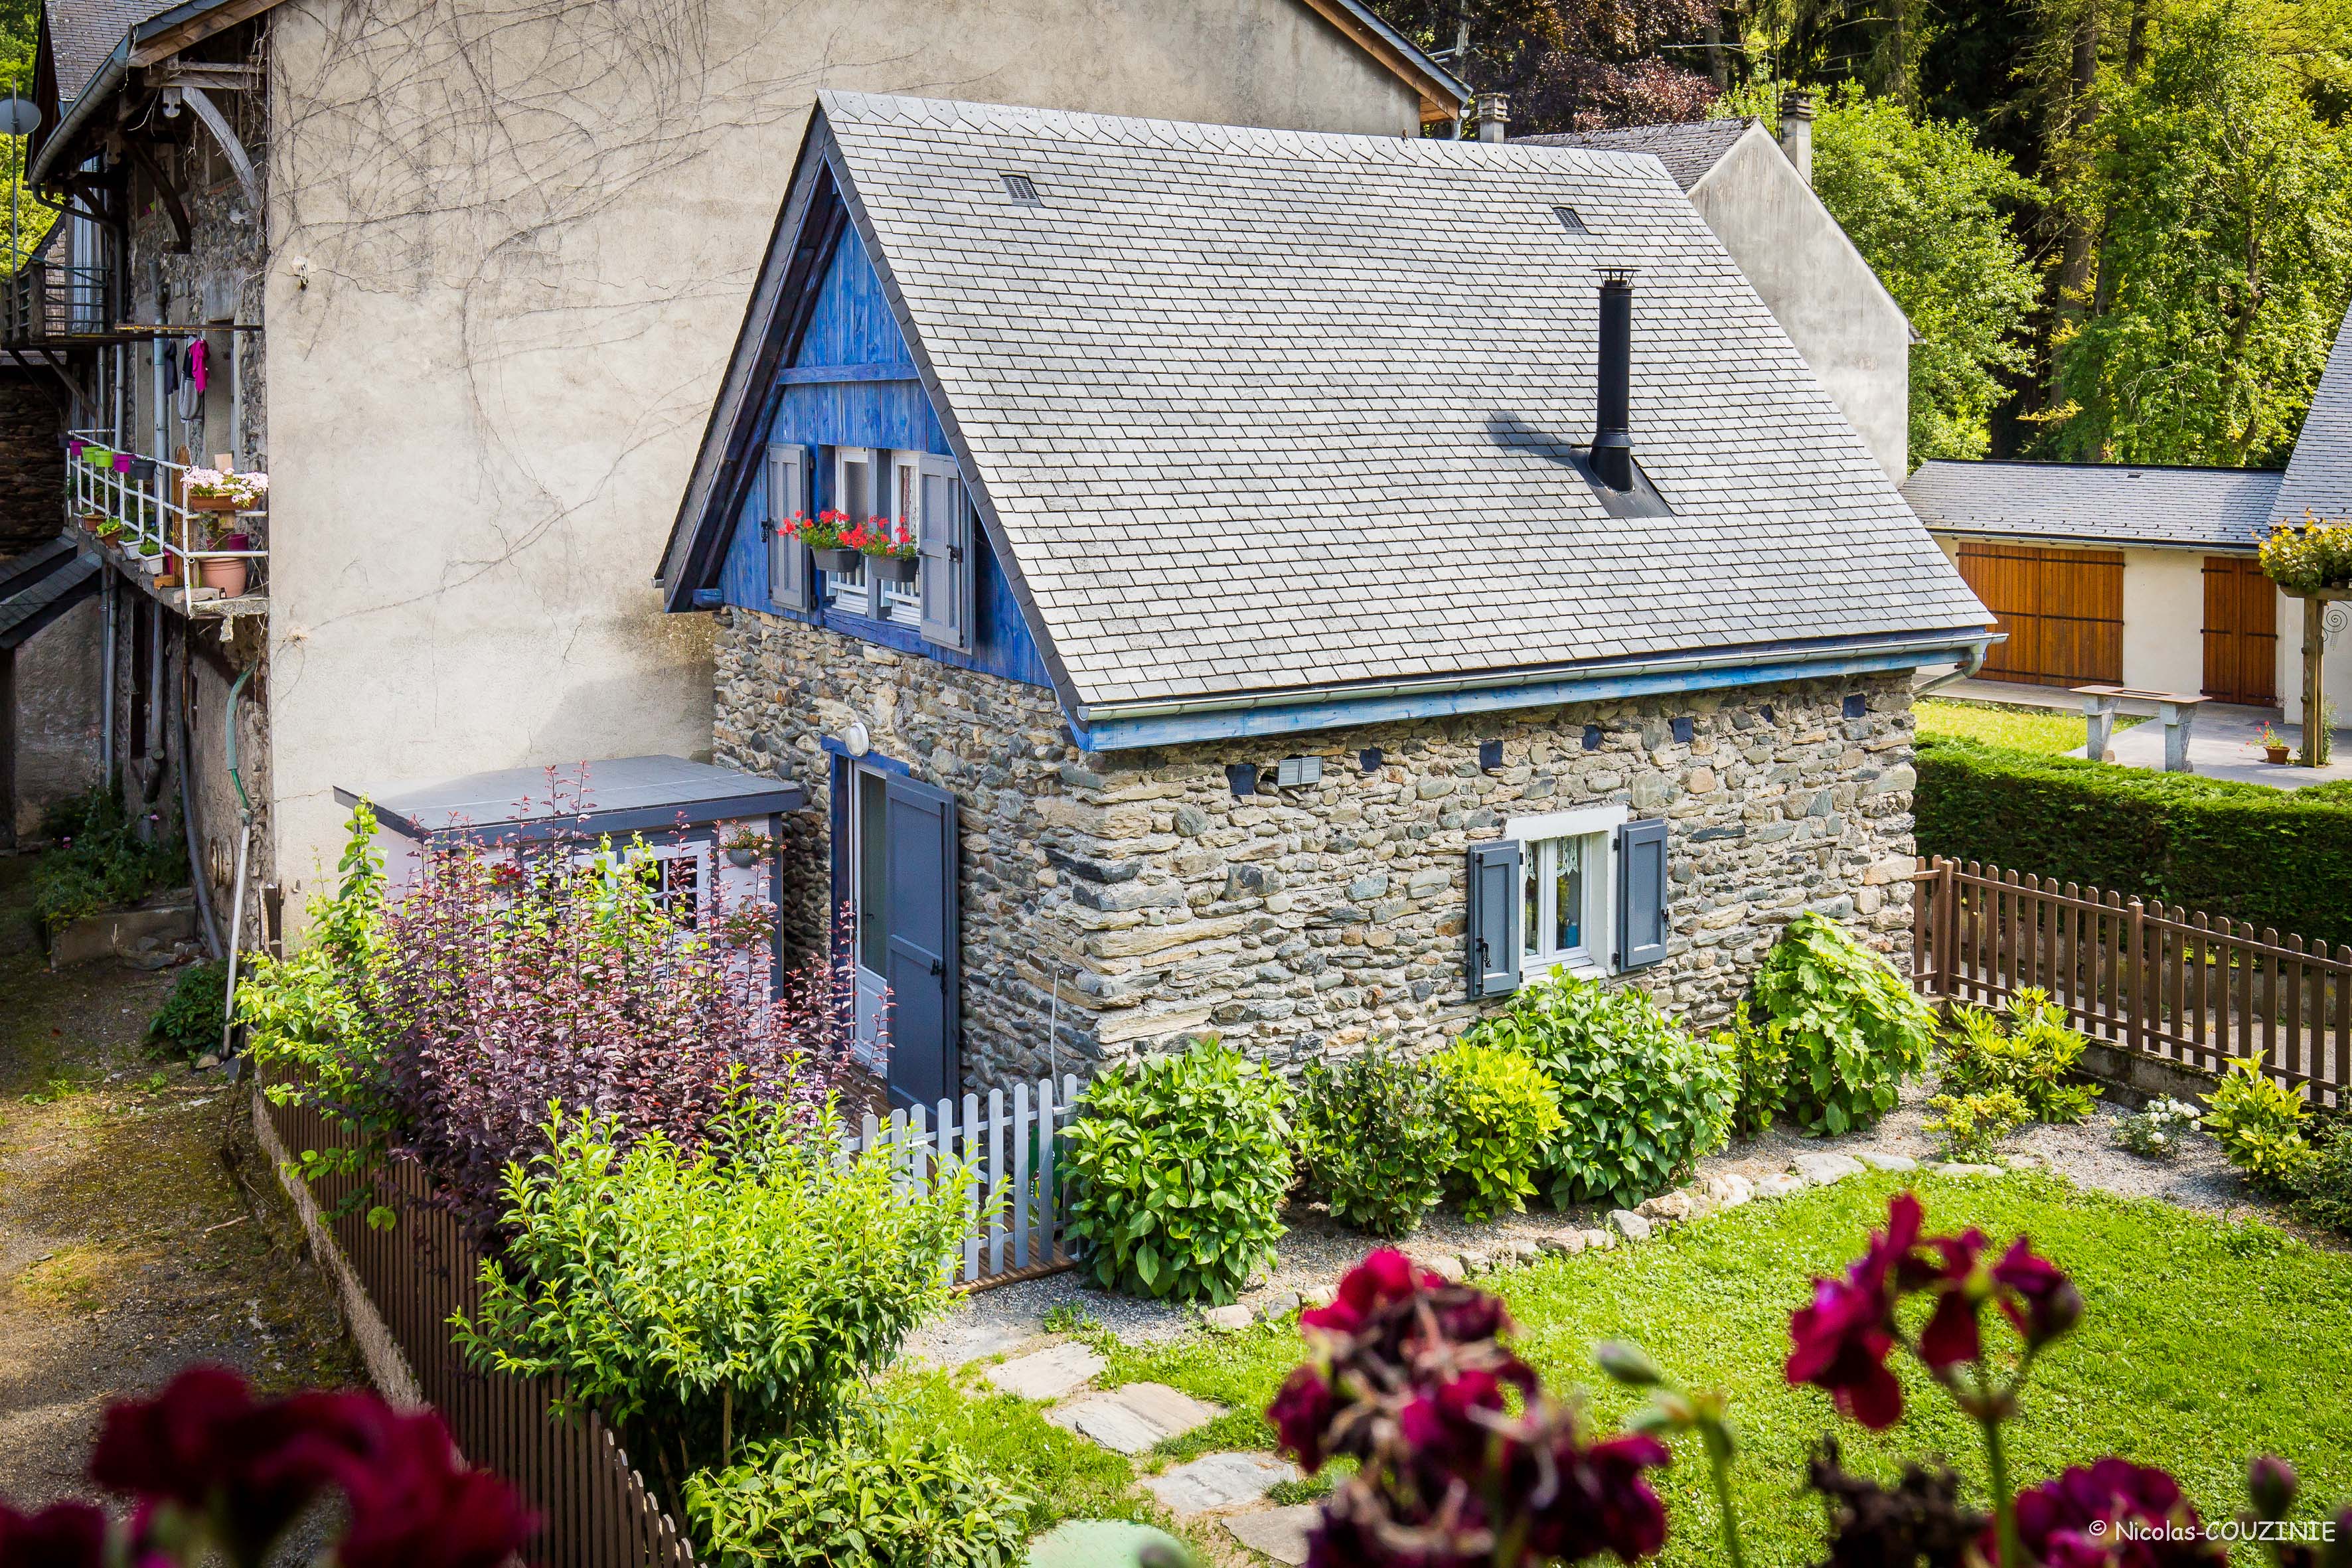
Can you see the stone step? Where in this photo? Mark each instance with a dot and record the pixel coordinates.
(1277, 1532)
(1133, 1417)
(1047, 1373)
(1218, 1481)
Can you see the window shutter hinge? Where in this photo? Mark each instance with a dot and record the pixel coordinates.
(955, 553)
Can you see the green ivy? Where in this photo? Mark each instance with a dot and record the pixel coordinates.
(1852, 1028)
(2027, 1048)
(1177, 1172)
(1373, 1139)
(2258, 1121)
(1640, 1099)
(2270, 857)
(880, 1491)
(194, 1015)
(1503, 1111)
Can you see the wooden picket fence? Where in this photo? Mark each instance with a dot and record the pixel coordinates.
(1011, 1198)
(2136, 975)
(595, 1509)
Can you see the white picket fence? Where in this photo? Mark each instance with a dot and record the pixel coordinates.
(1012, 1225)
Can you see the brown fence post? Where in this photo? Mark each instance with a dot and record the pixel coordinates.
(2129, 984)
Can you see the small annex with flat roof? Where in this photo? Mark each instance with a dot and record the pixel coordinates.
(1348, 574)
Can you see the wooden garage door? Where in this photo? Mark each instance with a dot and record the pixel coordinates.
(2241, 631)
(2062, 609)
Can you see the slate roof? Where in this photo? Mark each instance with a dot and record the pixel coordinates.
(41, 584)
(1260, 410)
(2319, 474)
(82, 33)
(1688, 150)
(2112, 503)
(586, 797)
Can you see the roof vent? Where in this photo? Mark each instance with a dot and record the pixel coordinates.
(1569, 221)
(1024, 190)
(1612, 437)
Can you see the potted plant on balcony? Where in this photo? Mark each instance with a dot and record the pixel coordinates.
(121, 461)
(215, 490)
(745, 848)
(889, 556)
(150, 556)
(98, 457)
(827, 535)
(227, 572)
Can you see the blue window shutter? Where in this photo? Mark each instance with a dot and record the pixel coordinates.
(789, 570)
(948, 567)
(1641, 893)
(919, 850)
(1493, 926)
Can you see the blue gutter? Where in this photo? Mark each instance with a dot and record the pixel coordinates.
(1116, 734)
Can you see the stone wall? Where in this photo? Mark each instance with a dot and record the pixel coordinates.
(1136, 898)
(32, 460)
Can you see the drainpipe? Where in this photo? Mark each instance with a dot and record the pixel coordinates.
(188, 803)
(1970, 662)
(106, 674)
(244, 840)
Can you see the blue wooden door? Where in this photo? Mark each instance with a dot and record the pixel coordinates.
(919, 849)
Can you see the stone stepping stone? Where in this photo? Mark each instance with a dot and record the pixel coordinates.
(1878, 1160)
(1049, 1374)
(1956, 1168)
(1279, 1532)
(1779, 1186)
(1629, 1224)
(1131, 1418)
(1218, 1481)
(1098, 1544)
(1825, 1167)
(956, 1344)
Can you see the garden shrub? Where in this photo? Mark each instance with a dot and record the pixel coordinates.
(701, 1301)
(1852, 1026)
(1974, 1124)
(2158, 1130)
(2268, 856)
(194, 1015)
(1374, 1140)
(881, 1492)
(2026, 1048)
(2258, 1121)
(1640, 1098)
(2323, 1191)
(1177, 1172)
(99, 862)
(1503, 1111)
(1761, 1062)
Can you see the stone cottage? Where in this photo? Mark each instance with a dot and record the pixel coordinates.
(1355, 574)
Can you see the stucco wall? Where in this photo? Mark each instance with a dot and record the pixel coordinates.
(53, 687)
(2164, 620)
(1825, 297)
(1158, 906)
(2336, 673)
(525, 266)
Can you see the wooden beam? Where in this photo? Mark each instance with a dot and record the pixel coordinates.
(172, 206)
(218, 77)
(231, 148)
(196, 30)
(1434, 106)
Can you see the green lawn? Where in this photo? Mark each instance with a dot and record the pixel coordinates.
(2048, 730)
(2203, 1344)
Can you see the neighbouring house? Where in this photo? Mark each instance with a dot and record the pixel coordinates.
(461, 280)
(2100, 571)
(1354, 574)
(49, 701)
(1756, 192)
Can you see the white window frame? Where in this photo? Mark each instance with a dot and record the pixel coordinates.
(619, 860)
(852, 590)
(904, 601)
(1596, 826)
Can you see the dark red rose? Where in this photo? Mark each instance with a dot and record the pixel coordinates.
(1383, 1277)
(2142, 1521)
(2040, 1300)
(62, 1535)
(177, 1445)
(1301, 1413)
(1841, 1345)
(412, 1503)
(1606, 1502)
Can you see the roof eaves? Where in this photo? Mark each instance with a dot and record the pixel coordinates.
(1443, 94)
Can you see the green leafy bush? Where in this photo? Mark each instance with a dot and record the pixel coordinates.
(2258, 1121)
(2158, 1129)
(1760, 1061)
(1852, 1027)
(1640, 1098)
(1374, 1139)
(1177, 1172)
(2026, 1048)
(881, 1492)
(2323, 1190)
(701, 1302)
(1503, 1111)
(99, 862)
(193, 1016)
(2269, 857)
(1974, 1124)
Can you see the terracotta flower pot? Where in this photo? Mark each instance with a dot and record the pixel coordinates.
(211, 503)
(227, 575)
(2276, 754)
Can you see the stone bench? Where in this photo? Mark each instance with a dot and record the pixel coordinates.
(2176, 710)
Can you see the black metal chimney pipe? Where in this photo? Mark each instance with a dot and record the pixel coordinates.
(1612, 438)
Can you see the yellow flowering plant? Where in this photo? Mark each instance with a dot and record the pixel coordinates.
(2307, 557)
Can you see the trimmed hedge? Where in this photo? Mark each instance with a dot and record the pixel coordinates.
(2276, 859)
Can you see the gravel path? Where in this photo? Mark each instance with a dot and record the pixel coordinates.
(1316, 1249)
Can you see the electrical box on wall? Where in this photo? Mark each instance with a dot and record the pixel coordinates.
(1293, 773)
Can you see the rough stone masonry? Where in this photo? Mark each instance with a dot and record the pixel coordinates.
(1134, 899)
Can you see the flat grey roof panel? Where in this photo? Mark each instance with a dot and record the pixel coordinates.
(647, 790)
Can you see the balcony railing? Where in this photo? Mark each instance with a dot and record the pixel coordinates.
(48, 301)
(139, 505)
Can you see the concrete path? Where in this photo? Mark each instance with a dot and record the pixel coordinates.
(2225, 743)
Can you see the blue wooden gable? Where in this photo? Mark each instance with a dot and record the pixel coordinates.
(852, 382)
